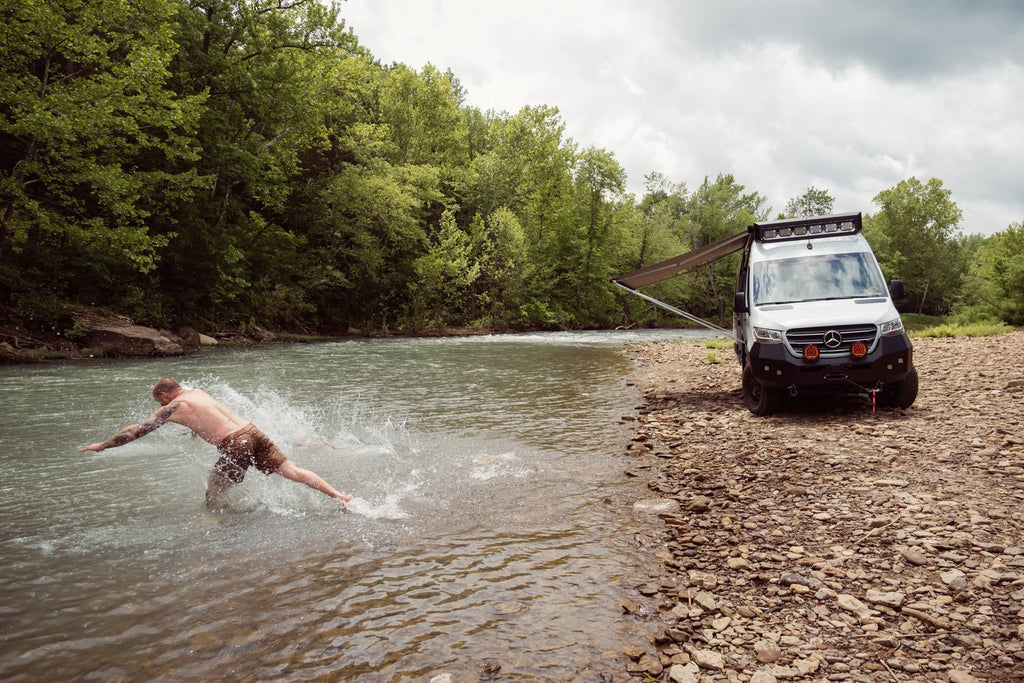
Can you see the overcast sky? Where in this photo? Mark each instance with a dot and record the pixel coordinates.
(850, 97)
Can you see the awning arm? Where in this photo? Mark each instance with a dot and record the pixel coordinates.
(677, 264)
(673, 309)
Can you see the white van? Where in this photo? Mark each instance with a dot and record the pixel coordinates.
(812, 312)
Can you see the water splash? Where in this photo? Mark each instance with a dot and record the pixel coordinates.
(367, 455)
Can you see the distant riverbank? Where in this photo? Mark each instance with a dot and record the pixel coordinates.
(86, 333)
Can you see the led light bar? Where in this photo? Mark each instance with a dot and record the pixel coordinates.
(806, 228)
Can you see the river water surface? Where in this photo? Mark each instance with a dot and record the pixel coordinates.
(491, 524)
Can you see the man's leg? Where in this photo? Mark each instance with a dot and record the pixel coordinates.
(288, 470)
(215, 488)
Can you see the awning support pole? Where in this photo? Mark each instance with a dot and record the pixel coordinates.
(673, 309)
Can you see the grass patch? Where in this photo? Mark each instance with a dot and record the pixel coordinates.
(978, 329)
(713, 358)
(718, 344)
(915, 322)
(920, 325)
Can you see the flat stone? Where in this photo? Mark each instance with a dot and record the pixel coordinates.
(684, 673)
(954, 579)
(763, 676)
(708, 659)
(893, 600)
(852, 604)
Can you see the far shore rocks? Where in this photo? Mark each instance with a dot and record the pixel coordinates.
(95, 333)
(829, 542)
(118, 337)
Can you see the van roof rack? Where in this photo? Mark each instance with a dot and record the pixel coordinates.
(804, 228)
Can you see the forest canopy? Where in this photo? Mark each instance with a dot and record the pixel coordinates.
(224, 163)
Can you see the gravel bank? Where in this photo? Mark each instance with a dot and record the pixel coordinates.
(831, 543)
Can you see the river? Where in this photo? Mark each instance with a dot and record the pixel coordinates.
(491, 528)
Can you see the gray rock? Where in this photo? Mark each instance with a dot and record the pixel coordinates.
(960, 676)
(763, 676)
(126, 339)
(892, 600)
(852, 604)
(954, 579)
(708, 659)
(684, 673)
(790, 579)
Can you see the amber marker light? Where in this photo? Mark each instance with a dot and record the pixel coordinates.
(811, 352)
(859, 350)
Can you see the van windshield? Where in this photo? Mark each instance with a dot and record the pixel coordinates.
(816, 278)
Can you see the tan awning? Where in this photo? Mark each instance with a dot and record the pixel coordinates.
(677, 264)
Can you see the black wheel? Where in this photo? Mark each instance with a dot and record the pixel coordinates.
(759, 399)
(901, 394)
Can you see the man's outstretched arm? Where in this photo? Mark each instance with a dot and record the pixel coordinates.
(133, 432)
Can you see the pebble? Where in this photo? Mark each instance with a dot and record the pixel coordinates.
(684, 673)
(768, 651)
(708, 659)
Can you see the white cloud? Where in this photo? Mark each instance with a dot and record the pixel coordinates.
(851, 98)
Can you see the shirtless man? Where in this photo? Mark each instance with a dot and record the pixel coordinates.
(240, 443)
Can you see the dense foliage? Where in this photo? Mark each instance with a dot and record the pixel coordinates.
(222, 163)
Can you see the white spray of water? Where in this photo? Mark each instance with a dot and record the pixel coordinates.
(360, 454)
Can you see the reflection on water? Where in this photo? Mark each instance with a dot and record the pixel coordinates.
(492, 519)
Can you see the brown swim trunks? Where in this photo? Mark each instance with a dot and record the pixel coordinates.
(248, 446)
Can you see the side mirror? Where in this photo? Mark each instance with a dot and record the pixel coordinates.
(740, 304)
(896, 290)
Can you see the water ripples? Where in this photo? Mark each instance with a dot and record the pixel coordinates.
(492, 525)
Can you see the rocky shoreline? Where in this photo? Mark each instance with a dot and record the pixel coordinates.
(831, 543)
(86, 333)
(93, 333)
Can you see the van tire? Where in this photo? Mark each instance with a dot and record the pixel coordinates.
(901, 394)
(759, 399)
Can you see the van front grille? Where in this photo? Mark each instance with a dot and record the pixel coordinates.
(832, 341)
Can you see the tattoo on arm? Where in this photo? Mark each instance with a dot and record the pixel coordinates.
(159, 418)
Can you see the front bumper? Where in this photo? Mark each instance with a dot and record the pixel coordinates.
(773, 366)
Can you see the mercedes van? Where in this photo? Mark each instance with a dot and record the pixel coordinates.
(812, 312)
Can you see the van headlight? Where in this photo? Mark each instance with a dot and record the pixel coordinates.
(766, 336)
(890, 328)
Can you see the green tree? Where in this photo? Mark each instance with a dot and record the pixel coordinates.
(501, 242)
(367, 227)
(813, 202)
(527, 168)
(916, 236)
(994, 282)
(717, 210)
(599, 185)
(95, 149)
(423, 116)
(444, 275)
(652, 233)
(262, 65)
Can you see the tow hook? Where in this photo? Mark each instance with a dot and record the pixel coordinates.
(792, 390)
(874, 397)
(874, 394)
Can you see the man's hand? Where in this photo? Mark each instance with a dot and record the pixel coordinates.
(94, 447)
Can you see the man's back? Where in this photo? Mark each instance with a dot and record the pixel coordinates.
(201, 413)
